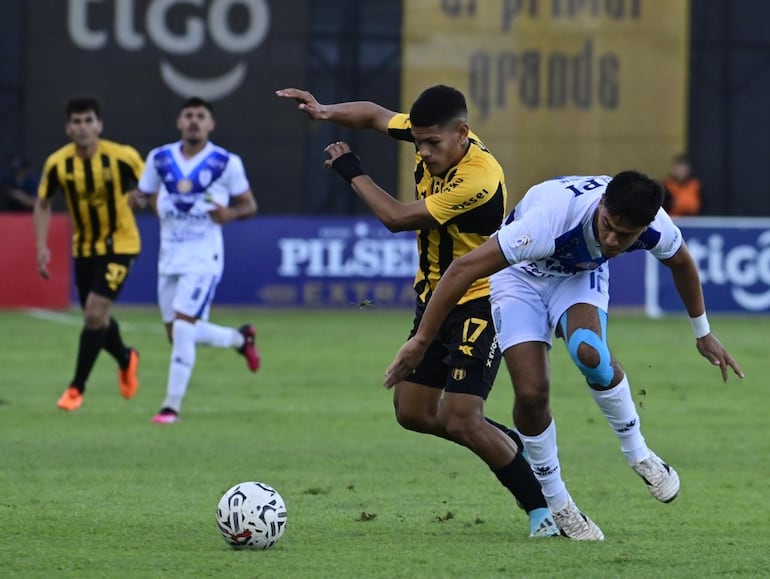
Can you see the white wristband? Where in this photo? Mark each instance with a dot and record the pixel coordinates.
(700, 326)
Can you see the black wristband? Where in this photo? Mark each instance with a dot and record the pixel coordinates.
(348, 166)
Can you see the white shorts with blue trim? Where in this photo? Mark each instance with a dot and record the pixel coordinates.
(526, 308)
(189, 294)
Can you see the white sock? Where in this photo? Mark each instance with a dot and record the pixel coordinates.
(182, 363)
(217, 336)
(543, 457)
(618, 407)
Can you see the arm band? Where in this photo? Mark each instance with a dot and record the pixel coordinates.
(348, 166)
(700, 326)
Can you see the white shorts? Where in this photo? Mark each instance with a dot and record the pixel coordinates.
(526, 308)
(188, 294)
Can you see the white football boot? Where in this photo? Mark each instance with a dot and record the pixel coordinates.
(575, 525)
(662, 480)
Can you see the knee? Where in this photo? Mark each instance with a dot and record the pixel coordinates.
(588, 356)
(592, 356)
(95, 319)
(461, 427)
(532, 395)
(411, 418)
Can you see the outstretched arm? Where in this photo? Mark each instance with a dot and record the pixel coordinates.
(687, 282)
(394, 214)
(481, 262)
(356, 115)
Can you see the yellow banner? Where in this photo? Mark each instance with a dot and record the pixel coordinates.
(556, 87)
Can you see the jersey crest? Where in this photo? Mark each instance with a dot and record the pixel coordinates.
(183, 189)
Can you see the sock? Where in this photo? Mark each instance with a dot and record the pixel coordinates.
(519, 479)
(503, 428)
(182, 363)
(91, 341)
(517, 476)
(217, 336)
(618, 407)
(543, 456)
(113, 343)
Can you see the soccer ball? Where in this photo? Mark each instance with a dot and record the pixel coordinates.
(251, 515)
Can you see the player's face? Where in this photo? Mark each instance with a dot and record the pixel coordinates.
(195, 124)
(615, 234)
(84, 128)
(441, 147)
(680, 171)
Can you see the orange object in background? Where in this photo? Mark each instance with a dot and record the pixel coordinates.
(685, 196)
(20, 284)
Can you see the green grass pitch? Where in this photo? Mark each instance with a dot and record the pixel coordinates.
(103, 493)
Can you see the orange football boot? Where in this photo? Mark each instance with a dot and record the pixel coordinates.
(70, 400)
(128, 379)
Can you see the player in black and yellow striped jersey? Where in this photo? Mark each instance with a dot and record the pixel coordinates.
(96, 177)
(460, 200)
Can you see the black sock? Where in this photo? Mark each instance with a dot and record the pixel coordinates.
(517, 477)
(91, 341)
(113, 343)
(509, 432)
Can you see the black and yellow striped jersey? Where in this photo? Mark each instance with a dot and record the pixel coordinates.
(96, 193)
(469, 203)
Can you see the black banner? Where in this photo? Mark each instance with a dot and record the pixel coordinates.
(142, 58)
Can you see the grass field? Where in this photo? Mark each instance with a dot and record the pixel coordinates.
(104, 493)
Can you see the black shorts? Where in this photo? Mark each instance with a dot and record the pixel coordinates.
(464, 357)
(102, 274)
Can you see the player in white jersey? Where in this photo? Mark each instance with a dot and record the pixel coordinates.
(550, 274)
(195, 187)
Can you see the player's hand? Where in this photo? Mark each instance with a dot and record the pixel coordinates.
(307, 103)
(407, 359)
(137, 199)
(713, 350)
(335, 151)
(221, 214)
(43, 257)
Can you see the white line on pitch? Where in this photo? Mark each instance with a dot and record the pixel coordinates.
(77, 320)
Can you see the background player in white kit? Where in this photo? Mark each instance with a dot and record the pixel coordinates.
(550, 257)
(195, 187)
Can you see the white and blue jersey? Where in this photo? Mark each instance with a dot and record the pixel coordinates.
(556, 260)
(187, 189)
(551, 230)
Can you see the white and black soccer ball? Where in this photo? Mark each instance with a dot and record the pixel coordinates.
(251, 515)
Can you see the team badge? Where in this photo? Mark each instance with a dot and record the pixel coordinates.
(458, 374)
(184, 186)
(204, 178)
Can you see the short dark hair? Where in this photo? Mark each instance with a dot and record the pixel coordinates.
(634, 196)
(83, 104)
(437, 105)
(194, 102)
